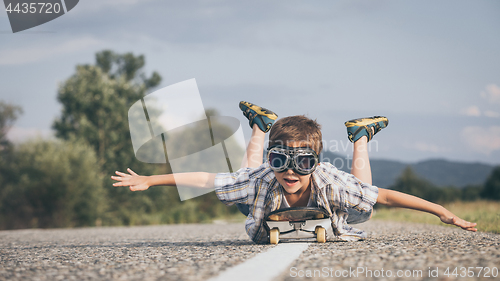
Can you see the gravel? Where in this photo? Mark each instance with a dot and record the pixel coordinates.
(197, 252)
(410, 251)
(172, 252)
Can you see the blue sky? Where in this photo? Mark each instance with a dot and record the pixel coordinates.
(432, 67)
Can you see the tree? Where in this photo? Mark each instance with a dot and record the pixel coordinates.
(95, 104)
(411, 183)
(491, 189)
(471, 192)
(8, 114)
(95, 101)
(51, 184)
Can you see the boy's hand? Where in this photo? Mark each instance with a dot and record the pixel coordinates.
(450, 218)
(133, 180)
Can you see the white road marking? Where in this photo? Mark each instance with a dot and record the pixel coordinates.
(264, 266)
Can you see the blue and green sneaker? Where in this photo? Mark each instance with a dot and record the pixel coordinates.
(368, 127)
(264, 118)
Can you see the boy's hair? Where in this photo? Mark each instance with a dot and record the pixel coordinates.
(297, 129)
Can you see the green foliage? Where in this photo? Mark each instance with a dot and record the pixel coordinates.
(96, 100)
(491, 189)
(67, 183)
(95, 104)
(51, 184)
(471, 192)
(8, 114)
(412, 184)
(484, 213)
(126, 66)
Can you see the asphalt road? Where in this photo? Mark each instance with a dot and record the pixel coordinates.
(199, 252)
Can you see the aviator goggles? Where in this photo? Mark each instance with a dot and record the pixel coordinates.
(303, 160)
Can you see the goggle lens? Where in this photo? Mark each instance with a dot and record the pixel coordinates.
(301, 160)
(305, 162)
(277, 160)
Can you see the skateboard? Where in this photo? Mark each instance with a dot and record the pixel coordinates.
(297, 223)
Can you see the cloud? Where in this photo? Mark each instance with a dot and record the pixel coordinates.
(472, 111)
(37, 53)
(492, 114)
(492, 94)
(482, 140)
(425, 147)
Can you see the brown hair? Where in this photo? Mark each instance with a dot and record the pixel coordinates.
(297, 128)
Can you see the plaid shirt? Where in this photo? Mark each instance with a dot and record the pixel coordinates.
(332, 189)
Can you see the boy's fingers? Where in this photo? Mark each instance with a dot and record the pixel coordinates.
(120, 179)
(465, 224)
(121, 174)
(131, 172)
(470, 228)
(121, 183)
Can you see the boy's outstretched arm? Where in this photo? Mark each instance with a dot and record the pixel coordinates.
(137, 182)
(397, 199)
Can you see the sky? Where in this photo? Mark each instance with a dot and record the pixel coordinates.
(431, 67)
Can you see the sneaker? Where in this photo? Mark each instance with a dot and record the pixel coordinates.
(264, 118)
(368, 127)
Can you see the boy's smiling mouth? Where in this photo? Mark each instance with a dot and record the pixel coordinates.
(290, 182)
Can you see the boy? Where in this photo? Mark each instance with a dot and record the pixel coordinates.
(292, 176)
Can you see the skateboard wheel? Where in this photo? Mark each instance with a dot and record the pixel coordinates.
(316, 229)
(274, 236)
(320, 234)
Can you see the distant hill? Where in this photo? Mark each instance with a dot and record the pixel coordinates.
(439, 172)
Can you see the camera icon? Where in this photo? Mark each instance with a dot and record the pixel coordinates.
(170, 126)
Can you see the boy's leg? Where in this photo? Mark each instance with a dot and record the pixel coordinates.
(360, 161)
(361, 131)
(255, 149)
(260, 120)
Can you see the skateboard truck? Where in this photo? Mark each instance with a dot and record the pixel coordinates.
(297, 223)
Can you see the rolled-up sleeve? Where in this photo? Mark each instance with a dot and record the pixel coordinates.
(347, 191)
(232, 188)
(359, 195)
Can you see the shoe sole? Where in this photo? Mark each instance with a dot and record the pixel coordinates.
(260, 111)
(367, 121)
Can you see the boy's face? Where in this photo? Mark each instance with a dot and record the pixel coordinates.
(291, 181)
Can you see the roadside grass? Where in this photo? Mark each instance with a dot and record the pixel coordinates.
(485, 213)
